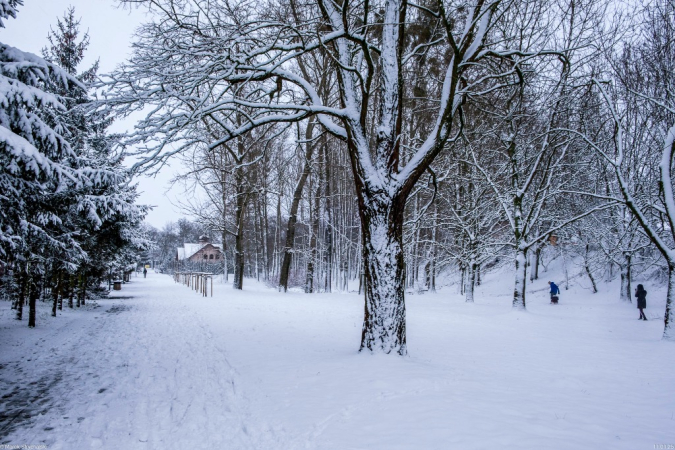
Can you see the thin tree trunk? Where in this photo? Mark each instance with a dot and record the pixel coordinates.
(293, 214)
(71, 290)
(567, 274)
(223, 176)
(83, 292)
(257, 232)
(471, 282)
(313, 244)
(434, 250)
(23, 290)
(224, 248)
(414, 270)
(588, 271)
(625, 292)
(32, 302)
(328, 233)
(61, 290)
(277, 239)
(521, 279)
(55, 294)
(669, 317)
(267, 261)
(78, 304)
(238, 281)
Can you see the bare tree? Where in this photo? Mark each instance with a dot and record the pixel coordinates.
(222, 61)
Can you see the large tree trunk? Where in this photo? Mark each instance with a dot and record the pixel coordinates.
(293, 214)
(384, 322)
(521, 279)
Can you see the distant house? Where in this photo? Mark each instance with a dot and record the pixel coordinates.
(202, 251)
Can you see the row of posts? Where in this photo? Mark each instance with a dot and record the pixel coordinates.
(198, 281)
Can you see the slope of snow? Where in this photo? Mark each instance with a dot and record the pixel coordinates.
(162, 368)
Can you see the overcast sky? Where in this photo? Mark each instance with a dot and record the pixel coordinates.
(110, 30)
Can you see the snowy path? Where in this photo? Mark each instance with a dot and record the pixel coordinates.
(163, 368)
(144, 373)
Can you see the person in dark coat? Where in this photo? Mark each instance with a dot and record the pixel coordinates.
(555, 292)
(145, 272)
(641, 295)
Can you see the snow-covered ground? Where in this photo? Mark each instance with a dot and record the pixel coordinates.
(160, 367)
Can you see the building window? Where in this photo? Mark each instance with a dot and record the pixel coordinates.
(206, 256)
(210, 256)
(218, 256)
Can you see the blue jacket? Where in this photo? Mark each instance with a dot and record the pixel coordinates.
(555, 290)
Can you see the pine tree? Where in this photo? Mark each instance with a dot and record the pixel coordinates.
(63, 192)
(101, 214)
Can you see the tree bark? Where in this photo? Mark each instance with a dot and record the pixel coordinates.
(471, 282)
(384, 325)
(313, 242)
(23, 280)
(223, 184)
(521, 279)
(537, 261)
(32, 302)
(83, 292)
(669, 317)
(224, 248)
(328, 232)
(587, 267)
(434, 251)
(293, 214)
(61, 290)
(238, 280)
(625, 294)
(55, 294)
(71, 290)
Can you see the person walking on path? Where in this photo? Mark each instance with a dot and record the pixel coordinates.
(555, 291)
(641, 295)
(145, 272)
